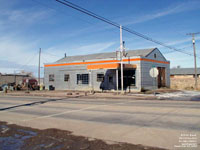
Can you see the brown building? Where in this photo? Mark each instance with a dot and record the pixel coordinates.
(184, 78)
(12, 78)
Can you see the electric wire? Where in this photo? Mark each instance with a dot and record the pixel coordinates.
(87, 12)
(44, 59)
(182, 49)
(28, 61)
(50, 54)
(60, 11)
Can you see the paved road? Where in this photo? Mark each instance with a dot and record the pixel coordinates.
(151, 123)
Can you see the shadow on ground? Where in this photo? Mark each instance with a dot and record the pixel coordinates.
(30, 104)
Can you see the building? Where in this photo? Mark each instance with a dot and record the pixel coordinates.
(102, 71)
(12, 78)
(184, 78)
(184, 72)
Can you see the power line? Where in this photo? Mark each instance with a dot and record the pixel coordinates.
(182, 49)
(51, 8)
(87, 12)
(29, 60)
(50, 54)
(44, 59)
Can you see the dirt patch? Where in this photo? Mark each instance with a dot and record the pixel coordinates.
(23, 138)
(95, 95)
(184, 83)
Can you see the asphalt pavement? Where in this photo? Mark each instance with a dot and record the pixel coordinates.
(148, 122)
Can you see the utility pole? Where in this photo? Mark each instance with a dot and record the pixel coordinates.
(122, 70)
(15, 77)
(39, 67)
(195, 61)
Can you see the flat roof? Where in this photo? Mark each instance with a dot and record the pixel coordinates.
(183, 71)
(130, 53)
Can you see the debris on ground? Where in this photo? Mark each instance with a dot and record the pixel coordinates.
(23, 138)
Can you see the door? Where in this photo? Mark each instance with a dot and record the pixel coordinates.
(161, 77)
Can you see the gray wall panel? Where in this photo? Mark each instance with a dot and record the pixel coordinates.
(143, 79)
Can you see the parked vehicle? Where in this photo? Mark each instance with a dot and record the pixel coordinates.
(32, 84)
(18, 87)
(5, 87)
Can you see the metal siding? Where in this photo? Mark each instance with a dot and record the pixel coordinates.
(143, 79)
(147, 80)
(60, 84)
(159, 55)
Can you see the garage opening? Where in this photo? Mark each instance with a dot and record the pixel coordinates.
(129, 78)
(161, 77)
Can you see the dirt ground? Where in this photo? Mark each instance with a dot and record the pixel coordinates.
(89, 94)
(23, 138)
(184, 83)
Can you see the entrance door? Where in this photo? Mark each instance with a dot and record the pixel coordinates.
(161, 77)
(129, 78)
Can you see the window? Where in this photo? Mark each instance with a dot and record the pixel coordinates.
(51, 77)
(82, 78)
(155, 56)
(100, 77)
(110, 79)
(66, 77)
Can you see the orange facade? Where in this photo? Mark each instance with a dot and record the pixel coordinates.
(101, 64)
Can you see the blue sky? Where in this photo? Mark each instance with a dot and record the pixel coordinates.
(26, 26)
